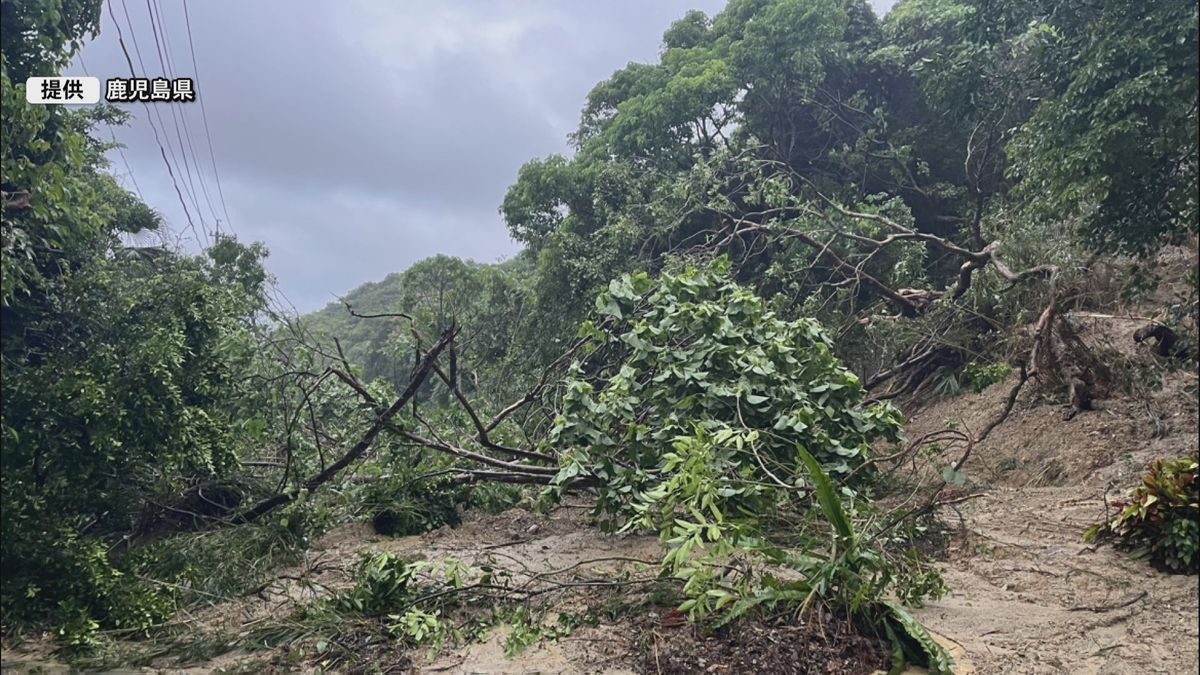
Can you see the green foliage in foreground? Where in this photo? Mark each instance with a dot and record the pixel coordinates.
(1159, 520)
(134, 390)
(704, 417)
(125, 370)
(132, 375)
(704, 391)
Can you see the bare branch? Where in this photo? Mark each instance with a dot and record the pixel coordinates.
(364, 443)
(384, 315)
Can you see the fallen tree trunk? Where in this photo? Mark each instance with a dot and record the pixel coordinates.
(420, 373)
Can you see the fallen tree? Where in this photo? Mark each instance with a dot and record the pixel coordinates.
(691, 410)
(383, 421)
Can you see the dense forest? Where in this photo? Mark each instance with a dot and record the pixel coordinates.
(760, 248)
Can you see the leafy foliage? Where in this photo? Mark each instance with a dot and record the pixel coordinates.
(124, 368)
(982, 376)
(490, 300)
(1114, 142)
(41, 35)
(1159, 520)
(528, 629)
(408, 500)
(782, 139)
(703, 416)
(381, 585)
(401, 507)
(168, 341)
(698, 364)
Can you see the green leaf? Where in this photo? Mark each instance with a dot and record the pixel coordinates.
(607, 305)
(929, 652)
(957, 478)
(831, 504)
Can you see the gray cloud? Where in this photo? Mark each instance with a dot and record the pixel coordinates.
(355, 142)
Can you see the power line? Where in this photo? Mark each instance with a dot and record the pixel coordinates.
(161, 46)
(157, 139)
(187, 130)
(204, 115)
(188, 187)
(165, 61)
(150, 119)
(117, 144)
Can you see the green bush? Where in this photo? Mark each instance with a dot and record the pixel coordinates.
(52, 574)
(227, 562)
(383, 582)
(400, 505)
(696, 386)
(1159, 520)
(705, 417)
(403, 499)
(170, 341)
(981, 376)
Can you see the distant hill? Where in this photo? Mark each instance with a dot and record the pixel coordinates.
(485, 298)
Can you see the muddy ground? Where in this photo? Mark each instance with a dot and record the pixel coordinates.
(1027, 594)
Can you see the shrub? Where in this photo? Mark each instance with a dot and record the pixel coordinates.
(398, 505)
(70, 580)
(126, 384)
(701, 388)
(981, 376)
(409, 500)
(1158, 521)
(383, 582)
(704, 416)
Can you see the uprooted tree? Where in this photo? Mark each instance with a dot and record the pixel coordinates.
(690, 409)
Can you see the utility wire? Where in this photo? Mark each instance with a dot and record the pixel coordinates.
(189, 186)
(162, 62)
(187, 130)
(204, 115)
(163, 47)
(117, 144)
(157, 138)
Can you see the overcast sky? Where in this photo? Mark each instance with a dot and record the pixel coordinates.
(357, 141)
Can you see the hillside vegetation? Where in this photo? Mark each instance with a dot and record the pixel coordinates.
(798, 224)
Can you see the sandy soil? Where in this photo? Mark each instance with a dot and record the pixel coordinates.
(525, 544)
(1028, 596)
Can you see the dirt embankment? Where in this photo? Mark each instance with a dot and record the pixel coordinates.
(1028, 595)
